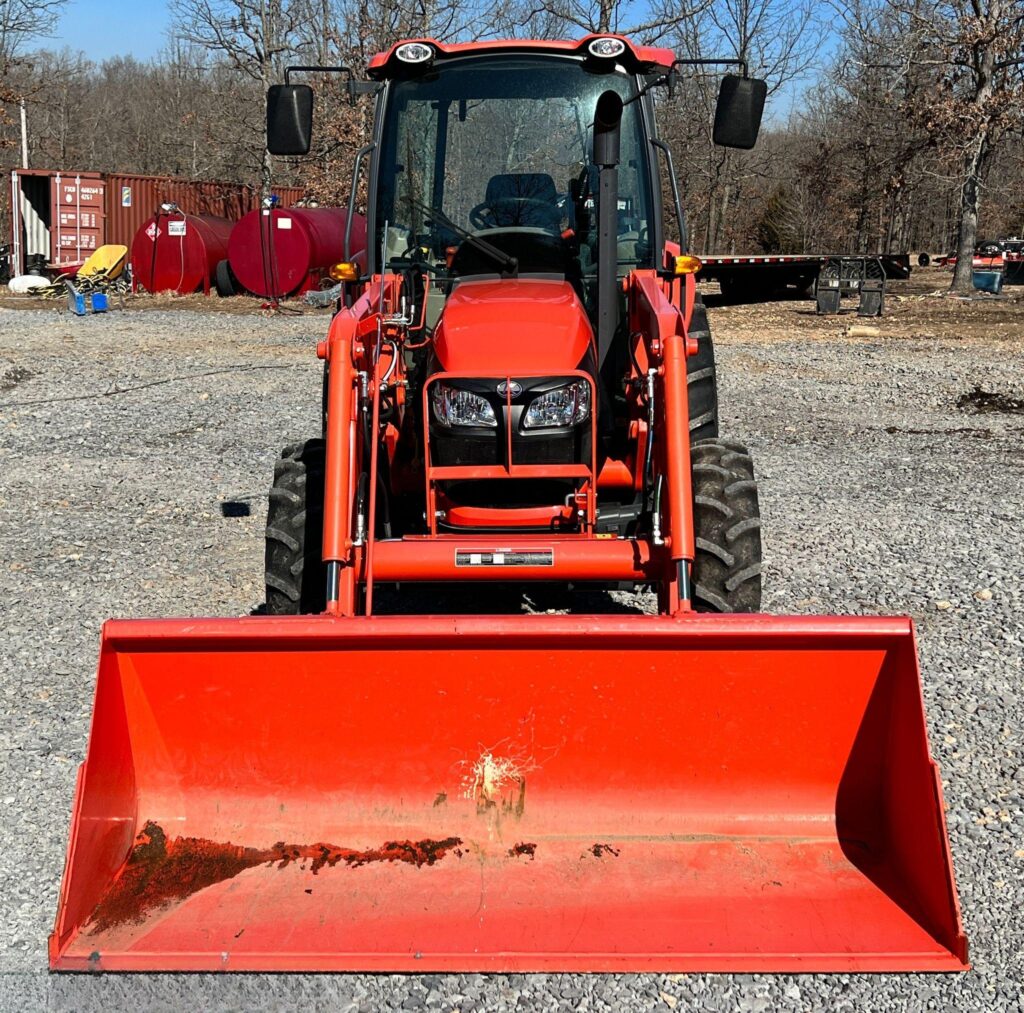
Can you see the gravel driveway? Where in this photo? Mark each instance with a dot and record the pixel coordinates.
(125, 440)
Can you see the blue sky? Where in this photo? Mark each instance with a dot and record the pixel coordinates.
(102, 29)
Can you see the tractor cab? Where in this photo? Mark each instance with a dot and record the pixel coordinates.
(485, 167)
(513, 205)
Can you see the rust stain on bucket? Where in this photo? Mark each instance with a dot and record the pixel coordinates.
(160, 871)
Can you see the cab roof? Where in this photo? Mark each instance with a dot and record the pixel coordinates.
(636, 59)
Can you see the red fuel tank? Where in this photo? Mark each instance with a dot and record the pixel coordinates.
(283, 251)
(178, 252)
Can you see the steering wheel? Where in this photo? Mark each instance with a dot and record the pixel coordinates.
(514, 207)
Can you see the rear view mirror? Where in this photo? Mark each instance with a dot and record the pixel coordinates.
(738, 111)
(289, 119)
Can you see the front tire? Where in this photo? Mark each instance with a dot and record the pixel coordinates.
(727, 526)
(295, 574)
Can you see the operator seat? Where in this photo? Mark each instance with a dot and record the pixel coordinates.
(523, 199)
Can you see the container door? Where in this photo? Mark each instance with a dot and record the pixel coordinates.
(78, 222)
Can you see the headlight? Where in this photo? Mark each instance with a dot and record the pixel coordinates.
(461, 408)
(566, 406)
(414, 52)
(606, 48)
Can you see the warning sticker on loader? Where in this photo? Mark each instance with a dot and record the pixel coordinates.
(504, 557)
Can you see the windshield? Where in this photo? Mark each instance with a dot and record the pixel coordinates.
(489, 146)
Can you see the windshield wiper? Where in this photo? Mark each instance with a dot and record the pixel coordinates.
(508, 263)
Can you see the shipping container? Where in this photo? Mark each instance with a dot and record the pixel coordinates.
(133, 200)
(58, 218)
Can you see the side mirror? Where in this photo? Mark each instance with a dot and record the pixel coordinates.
(289, 119)
(738, 111)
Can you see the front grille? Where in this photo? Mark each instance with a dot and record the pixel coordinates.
(555, 449)
(449, 447)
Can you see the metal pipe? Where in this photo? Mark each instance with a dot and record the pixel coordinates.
(24, 137)
(341, 392)
(607, 136)
(481, 557)
(684, 235)
(360, 154)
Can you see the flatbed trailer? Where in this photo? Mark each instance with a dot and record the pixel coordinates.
(1010, 261)
(766, 276)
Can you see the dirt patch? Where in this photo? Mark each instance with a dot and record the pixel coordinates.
(893, 430)
(983, 402)
(418, 853)
(13, 376)
(918, 310)
(160, 871)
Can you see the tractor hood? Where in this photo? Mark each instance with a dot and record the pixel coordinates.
(512, 326)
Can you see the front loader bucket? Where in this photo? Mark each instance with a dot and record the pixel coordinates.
(721, 793)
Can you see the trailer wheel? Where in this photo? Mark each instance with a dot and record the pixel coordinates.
(295, 576)
(224, 279)
(701, 379)
(727, 526)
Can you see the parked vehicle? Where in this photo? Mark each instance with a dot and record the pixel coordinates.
(507, 398)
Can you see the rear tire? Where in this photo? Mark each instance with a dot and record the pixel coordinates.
(295, 574)
(727, 526)
(701, 378)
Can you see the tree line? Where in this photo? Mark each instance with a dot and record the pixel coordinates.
(891, 124)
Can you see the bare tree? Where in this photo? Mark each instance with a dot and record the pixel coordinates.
(21, 22)
(255, 37)
(957, 66)
(778, 39)
(646, 22)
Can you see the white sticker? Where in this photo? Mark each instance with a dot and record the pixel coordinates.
(284, 223)
(152, 231)
(176, 228)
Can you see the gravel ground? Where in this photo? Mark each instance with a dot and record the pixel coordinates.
(123, 437)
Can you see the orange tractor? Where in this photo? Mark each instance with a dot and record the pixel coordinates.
(519, 387)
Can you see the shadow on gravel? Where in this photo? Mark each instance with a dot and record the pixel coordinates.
(235, 508)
